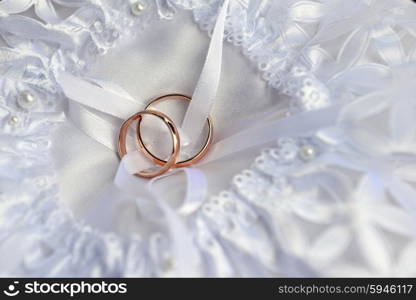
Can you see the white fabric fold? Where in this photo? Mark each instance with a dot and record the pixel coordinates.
(188, 258)
(187, 254)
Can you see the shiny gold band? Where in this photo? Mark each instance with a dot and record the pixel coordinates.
(122, 148)
(183, 163)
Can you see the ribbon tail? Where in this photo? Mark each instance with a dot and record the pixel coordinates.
(207, 86)
(98, 97)
(186, 252)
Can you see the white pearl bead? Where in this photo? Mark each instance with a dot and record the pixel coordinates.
(13, 120)
(168, 263)
(26, 99)
(98, 25)
(137, 8)
(40, 181)
(307, 152)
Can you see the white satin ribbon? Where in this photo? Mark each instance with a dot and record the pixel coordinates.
(94, 126)
(196, 190)
(206, 89)
(264, 132)
(110, 100)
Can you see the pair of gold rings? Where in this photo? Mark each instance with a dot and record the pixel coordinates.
(171, 162)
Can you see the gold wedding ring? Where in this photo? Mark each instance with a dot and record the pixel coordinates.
(197, 157)
(166, 165)
(122, 148)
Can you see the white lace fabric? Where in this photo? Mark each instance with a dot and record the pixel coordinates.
(336, 202)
